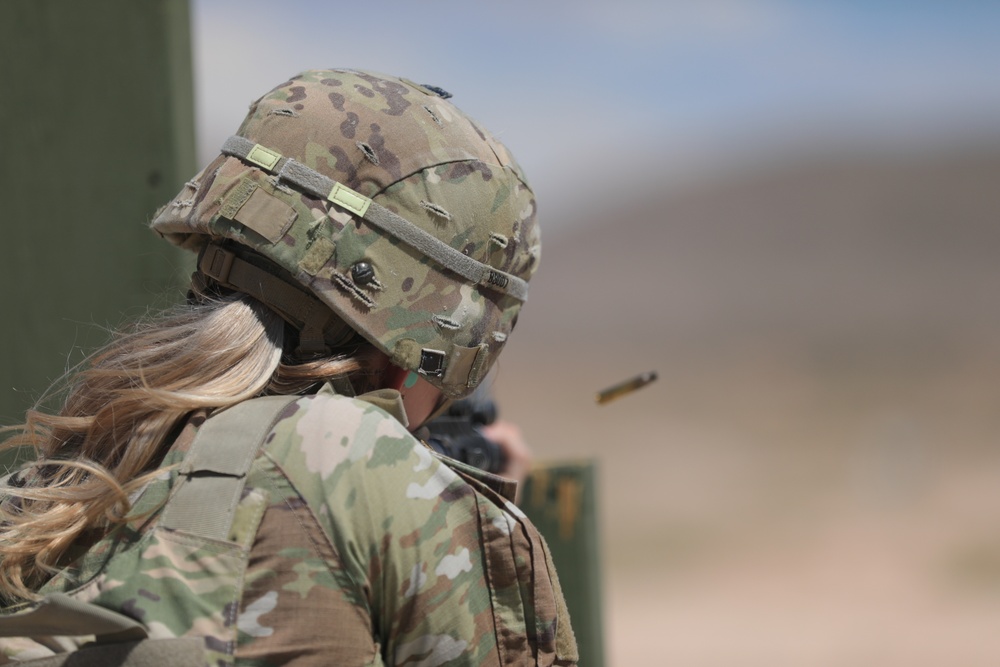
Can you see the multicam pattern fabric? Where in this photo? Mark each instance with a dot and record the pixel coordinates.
(413, 152)
(353, 544)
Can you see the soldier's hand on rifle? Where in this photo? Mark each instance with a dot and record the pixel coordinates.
(517, 454)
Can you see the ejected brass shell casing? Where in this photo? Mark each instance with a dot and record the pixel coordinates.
(626, 387)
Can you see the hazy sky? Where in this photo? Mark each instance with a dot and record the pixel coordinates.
(615, 90)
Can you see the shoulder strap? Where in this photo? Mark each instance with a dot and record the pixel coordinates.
(215, 469)
(212, 478)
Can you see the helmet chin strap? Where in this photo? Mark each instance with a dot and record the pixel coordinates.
(413, 394)
(319, 328)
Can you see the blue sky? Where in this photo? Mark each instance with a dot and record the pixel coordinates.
(631, 89)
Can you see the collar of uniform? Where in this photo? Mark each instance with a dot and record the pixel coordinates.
(388, 400)
(391, 401)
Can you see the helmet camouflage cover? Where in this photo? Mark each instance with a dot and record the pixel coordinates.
(398, 212)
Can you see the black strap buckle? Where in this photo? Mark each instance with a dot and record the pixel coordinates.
(431, 362)
(216, 262)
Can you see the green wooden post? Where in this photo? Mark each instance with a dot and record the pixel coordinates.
(561, 500)
(98, 131)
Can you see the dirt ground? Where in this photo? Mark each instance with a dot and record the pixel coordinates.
(764, 528)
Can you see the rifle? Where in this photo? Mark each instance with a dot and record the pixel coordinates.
(456, 433)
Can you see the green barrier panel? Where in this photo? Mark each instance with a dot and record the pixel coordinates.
(98, 131)
(561, 500)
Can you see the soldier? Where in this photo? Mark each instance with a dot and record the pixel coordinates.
(235, 482)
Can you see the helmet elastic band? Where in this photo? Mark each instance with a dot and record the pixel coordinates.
(316, 184)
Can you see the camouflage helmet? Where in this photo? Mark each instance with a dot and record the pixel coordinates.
(355, 199)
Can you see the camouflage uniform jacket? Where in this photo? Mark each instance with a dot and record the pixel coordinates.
(364, 548)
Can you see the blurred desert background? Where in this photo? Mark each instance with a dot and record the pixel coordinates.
(791, 212)
(813, 480)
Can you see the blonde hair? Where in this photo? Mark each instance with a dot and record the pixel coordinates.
(123, 405)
